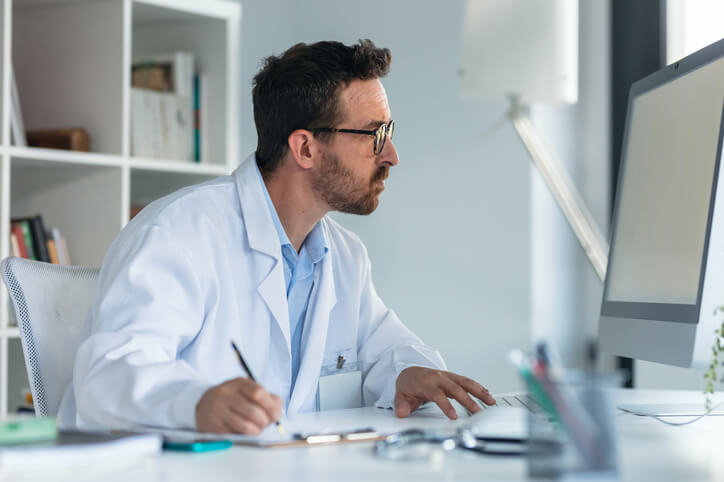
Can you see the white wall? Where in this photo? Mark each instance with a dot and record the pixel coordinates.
(566, 290)
(451, 243)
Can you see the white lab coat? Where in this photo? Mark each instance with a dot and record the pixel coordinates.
(201, 267)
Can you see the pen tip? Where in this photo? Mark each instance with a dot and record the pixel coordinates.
(280, 429)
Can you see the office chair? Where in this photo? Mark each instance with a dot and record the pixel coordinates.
(50, 303)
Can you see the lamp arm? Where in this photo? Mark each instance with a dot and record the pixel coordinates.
(564, 191)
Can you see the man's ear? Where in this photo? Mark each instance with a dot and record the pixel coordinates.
(303, 148)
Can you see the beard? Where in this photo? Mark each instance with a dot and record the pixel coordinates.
(343, 191)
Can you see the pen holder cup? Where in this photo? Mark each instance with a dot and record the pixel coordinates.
(575, 433)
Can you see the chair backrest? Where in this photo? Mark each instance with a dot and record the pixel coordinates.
(50, 303)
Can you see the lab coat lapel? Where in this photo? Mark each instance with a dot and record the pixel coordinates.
(314, 336)
(269, 269)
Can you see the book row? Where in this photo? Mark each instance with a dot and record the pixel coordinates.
(29, 239)
(169, 108)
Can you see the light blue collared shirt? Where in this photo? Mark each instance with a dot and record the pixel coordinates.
(298, 274)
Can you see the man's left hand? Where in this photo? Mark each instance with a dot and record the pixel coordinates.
(417, 385)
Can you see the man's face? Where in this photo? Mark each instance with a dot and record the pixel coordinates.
(351, 177)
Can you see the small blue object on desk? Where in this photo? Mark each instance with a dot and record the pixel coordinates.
(197, 445)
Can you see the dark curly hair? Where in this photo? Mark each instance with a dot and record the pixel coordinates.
(300, 90)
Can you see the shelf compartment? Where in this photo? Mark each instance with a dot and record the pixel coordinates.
(17, 375)
(205, 29)
(148, 185)
(84, 201)
(68, 60)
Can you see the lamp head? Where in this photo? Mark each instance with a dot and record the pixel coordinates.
(522, 48)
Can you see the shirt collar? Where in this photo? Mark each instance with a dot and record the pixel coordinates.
(316, 242)
(283, 239)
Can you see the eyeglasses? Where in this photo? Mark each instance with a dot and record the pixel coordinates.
(381, 134)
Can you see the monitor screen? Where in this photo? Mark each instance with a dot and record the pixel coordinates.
(669, 159)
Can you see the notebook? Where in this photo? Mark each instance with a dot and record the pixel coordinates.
(79, 449)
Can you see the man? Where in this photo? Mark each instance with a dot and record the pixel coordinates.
(253, 258)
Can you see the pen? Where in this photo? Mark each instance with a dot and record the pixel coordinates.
(280, 429)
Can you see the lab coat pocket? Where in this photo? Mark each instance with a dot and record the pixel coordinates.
(340, 383)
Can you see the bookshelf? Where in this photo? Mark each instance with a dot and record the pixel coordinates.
(72, 61)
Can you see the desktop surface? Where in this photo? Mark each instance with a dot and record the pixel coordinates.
(648, 450)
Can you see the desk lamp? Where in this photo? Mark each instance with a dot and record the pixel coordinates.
(527, 51)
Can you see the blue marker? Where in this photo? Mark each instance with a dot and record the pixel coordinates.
(197, 445)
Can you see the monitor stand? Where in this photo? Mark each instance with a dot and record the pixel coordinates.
(671, 409)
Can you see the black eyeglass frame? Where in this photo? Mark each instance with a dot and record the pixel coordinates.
(381, 134)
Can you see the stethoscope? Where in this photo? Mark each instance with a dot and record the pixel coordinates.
(417, 443)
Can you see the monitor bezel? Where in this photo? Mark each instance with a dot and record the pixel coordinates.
(679, 313)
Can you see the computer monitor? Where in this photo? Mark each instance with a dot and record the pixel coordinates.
(665, 275)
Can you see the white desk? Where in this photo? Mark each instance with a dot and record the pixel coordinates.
(648, 451)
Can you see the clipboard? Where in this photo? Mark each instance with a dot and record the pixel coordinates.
(270, 438)
(311, 439)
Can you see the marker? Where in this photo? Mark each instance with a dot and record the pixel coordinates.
(535, 386)
(197, 445)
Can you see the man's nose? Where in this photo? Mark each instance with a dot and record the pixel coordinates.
(388, 155)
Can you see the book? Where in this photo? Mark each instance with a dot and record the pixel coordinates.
(152, 76)
(178, 68)
(70, 138)
(19, 235)
(52, 251)
(58, 241)
(37, 231)
(14, 248)
(205, 115)
(64, 251)
(197, 118)
(201, 118)
(162, 126)
(27, 238)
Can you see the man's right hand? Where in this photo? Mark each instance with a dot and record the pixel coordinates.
(237, 406)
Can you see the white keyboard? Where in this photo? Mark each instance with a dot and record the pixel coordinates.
(522, 400)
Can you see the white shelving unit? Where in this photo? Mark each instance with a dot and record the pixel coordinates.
(72, 61)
